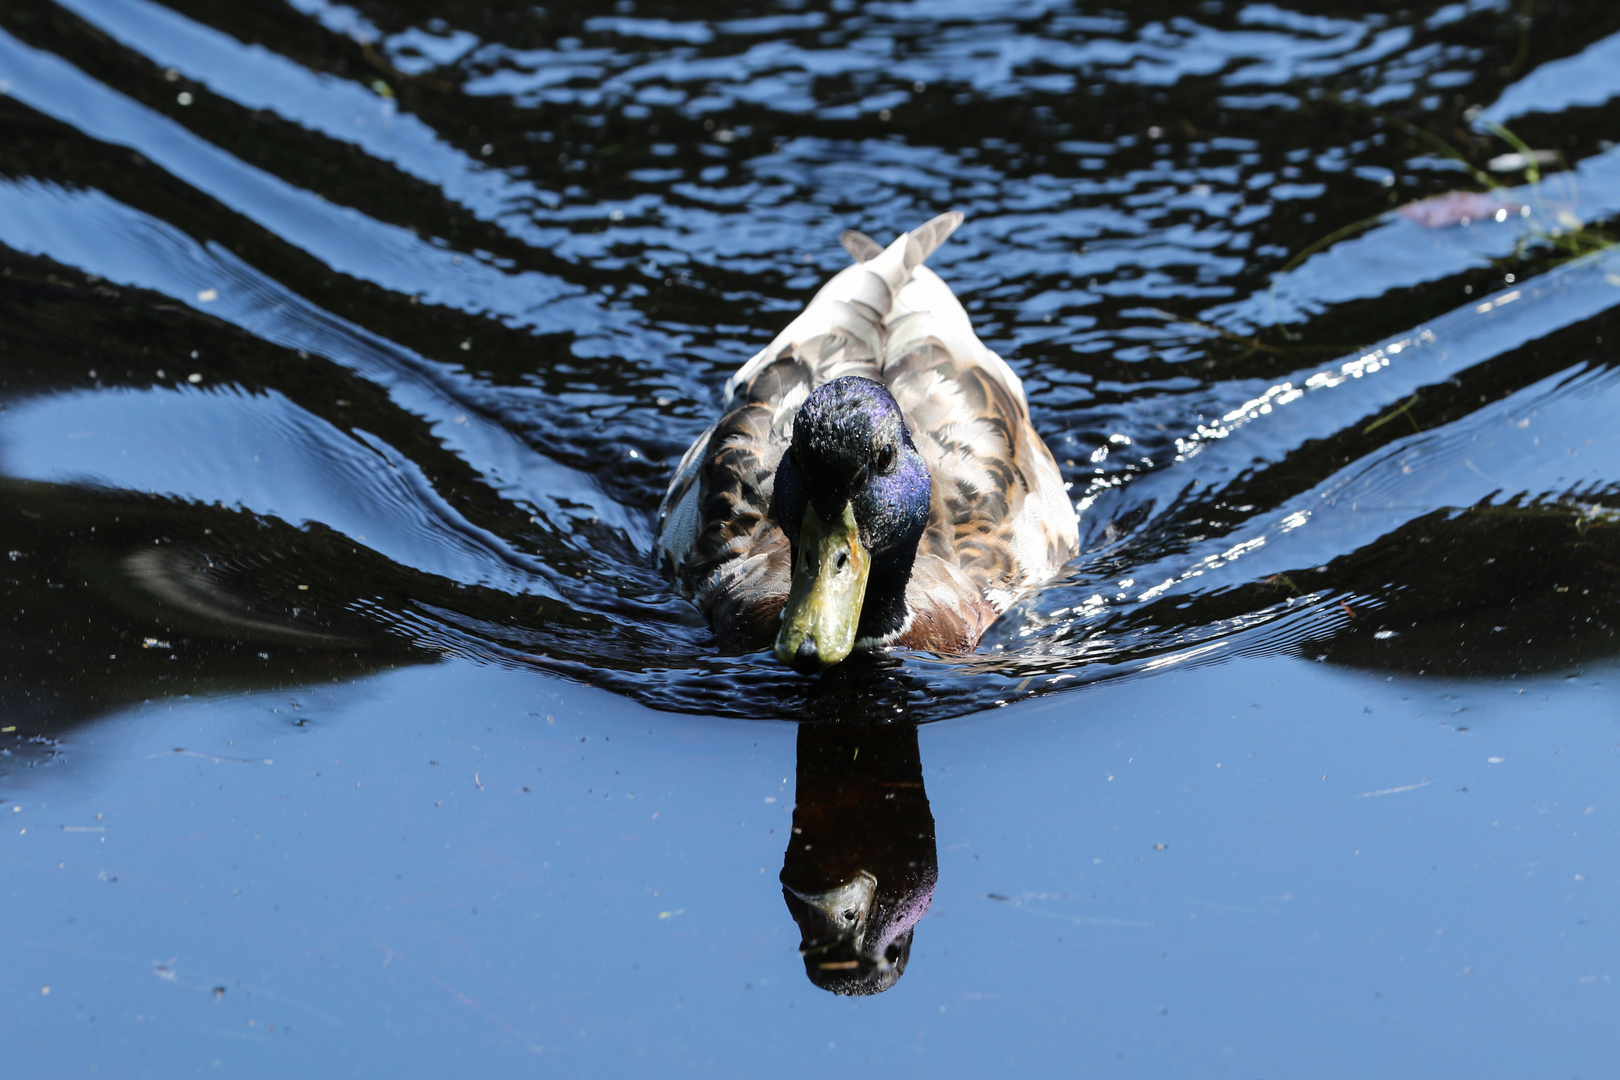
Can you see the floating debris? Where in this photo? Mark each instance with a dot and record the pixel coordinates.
(1515, 161)
(1393, 790)
(1461, 208)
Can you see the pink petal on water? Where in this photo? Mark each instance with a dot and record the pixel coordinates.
(1456, 208)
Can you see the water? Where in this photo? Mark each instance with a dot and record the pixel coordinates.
(346, 352)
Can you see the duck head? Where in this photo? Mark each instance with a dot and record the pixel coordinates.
(852, 495)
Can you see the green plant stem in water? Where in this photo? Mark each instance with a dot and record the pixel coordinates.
(1481, 177)
(1532, 168)
(1403, 410)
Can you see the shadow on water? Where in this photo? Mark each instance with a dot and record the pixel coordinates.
(116, 600)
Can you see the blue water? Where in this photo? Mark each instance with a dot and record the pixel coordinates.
(349, 728)
(606, 902)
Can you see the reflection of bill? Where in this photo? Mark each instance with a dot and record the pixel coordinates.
(860, 865)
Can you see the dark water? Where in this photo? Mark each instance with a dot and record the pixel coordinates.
(345, 352)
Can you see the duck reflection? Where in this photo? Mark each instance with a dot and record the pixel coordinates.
(860, 865)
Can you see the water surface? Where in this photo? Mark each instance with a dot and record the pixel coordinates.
(346, 352)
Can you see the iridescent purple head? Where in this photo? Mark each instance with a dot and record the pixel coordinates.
(852, 495)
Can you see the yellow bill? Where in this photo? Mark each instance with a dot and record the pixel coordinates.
(824, 602)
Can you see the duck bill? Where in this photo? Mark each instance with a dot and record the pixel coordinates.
(824, 602)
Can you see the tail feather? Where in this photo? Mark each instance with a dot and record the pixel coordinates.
(843, 329)
(861, 248)
(922, 241)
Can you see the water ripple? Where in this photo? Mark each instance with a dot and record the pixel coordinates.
(474, 285)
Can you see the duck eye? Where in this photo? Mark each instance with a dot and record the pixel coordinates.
(885, 457)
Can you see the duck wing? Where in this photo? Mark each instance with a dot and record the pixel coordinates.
(1001, 509)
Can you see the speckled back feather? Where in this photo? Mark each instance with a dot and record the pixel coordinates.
(1000, 521)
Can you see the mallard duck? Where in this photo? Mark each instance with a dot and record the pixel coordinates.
(874, 480)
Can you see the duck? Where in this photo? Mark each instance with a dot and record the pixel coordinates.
(873, 481)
